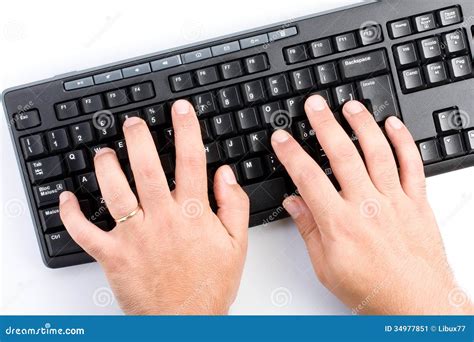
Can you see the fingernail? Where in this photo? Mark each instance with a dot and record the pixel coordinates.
(64, 196)
(280, 136)
(181, 107)
(133, 120)
(395, 122)
(353, 107)
(292, 207)
(103, 150)
(316, 103)
(228, 175)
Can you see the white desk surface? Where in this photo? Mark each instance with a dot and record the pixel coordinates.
(39, 39)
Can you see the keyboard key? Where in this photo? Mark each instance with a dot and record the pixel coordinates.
(400, 28)
(229, 98)
(87, 183)
(75, 161)
(412, 79)
(67, 110)
(57, 140)
(278, 85)
(213, 153)
(204, 104)
(470, 141)
(425, 22)
(247, 119)
(460, 67)
(181, 82)
(252, 169)
(305, 131)
(80, 83)
(231, 70)
(136, 70)
(254, 41)
(453, 146)
(254, 92)
(50, 219)
(295, 106)
(223, 125)
(82, 133)
(155, 115)
(302, 79)
(116, 98)
(344, 93)
(141, 92)
(321, 48)
(235, 147)
(371, 34)
(259, 142)
(27, 120)
(272, 163)
(296, 54)
(430, 48)
(367, 63)
(226, 48)
(195, 56)
(92, 104)
(33, 146)
(108, 77)
(206, 133)
(167, 162)
(207, 75)
(266, 195)
(326, 95)
(256, 64)
(455, 42)
(45, 168)
(61, 243)
(345, 42)
(124, 116)
(448, 120)
(450, 16)
(406, 55)
(270, 111)
(121, 149)
(430, 151)
(379, 93)
(165, 63)
(48, 194)
(326, 74)
(282, 33)
(436, 73)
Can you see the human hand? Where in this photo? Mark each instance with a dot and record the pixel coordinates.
(174, 256)
(375, 244)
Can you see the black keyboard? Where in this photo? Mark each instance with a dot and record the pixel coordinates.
(412, 59)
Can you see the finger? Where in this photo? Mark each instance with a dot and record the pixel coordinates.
(150, 179)
(345, 160)
(378, 155)
(191, 174)
(312, 183)
(92, 239)
(412, 175)
(233, 204)
(114, 187)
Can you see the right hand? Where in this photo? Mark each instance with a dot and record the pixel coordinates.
(375, 244)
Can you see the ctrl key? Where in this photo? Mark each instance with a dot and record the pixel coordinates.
(430, 151)
(61, 243)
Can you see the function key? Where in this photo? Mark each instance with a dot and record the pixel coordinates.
(80, 83)
(436, 73)
(412, 79)
(116, 98)
(254, 41)
(92, 103)
(450, 16)
(108, 77)
(198, 55)
(430, 48)
(27, 119)
(283, 33)
(321, 48)
(207, 75)
(425, 22)
(67, 110)
(455, 42)
(453, 146)
(371, 34)
(136, 70)
(181, 82)
(256, 64)
(406, 55)
(400, 28)
(430, 151)
(231, 70)
(33, 146)
(223, 49)
(166, 63)
(460, 67)
(141, 92)
(296, 54)
(346, 42)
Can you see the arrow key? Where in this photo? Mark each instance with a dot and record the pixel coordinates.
(453, 146)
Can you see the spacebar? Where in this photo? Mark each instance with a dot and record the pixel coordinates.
(266, 195)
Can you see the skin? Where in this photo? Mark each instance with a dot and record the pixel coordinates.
(375, 244)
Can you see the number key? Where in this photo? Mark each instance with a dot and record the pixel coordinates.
(82, 133)
(57, 140)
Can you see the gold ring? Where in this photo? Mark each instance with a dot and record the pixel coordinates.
(126, 217)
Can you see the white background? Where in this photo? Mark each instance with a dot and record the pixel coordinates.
(39, 39)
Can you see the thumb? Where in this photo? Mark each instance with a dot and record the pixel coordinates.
(232, 202)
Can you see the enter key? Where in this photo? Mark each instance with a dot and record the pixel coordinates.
(379, 94)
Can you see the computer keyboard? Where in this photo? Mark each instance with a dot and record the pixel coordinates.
(411, 59)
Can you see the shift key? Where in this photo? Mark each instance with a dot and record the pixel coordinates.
(369, 63)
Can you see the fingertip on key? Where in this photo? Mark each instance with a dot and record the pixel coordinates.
(280, 136)
(316, 103)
